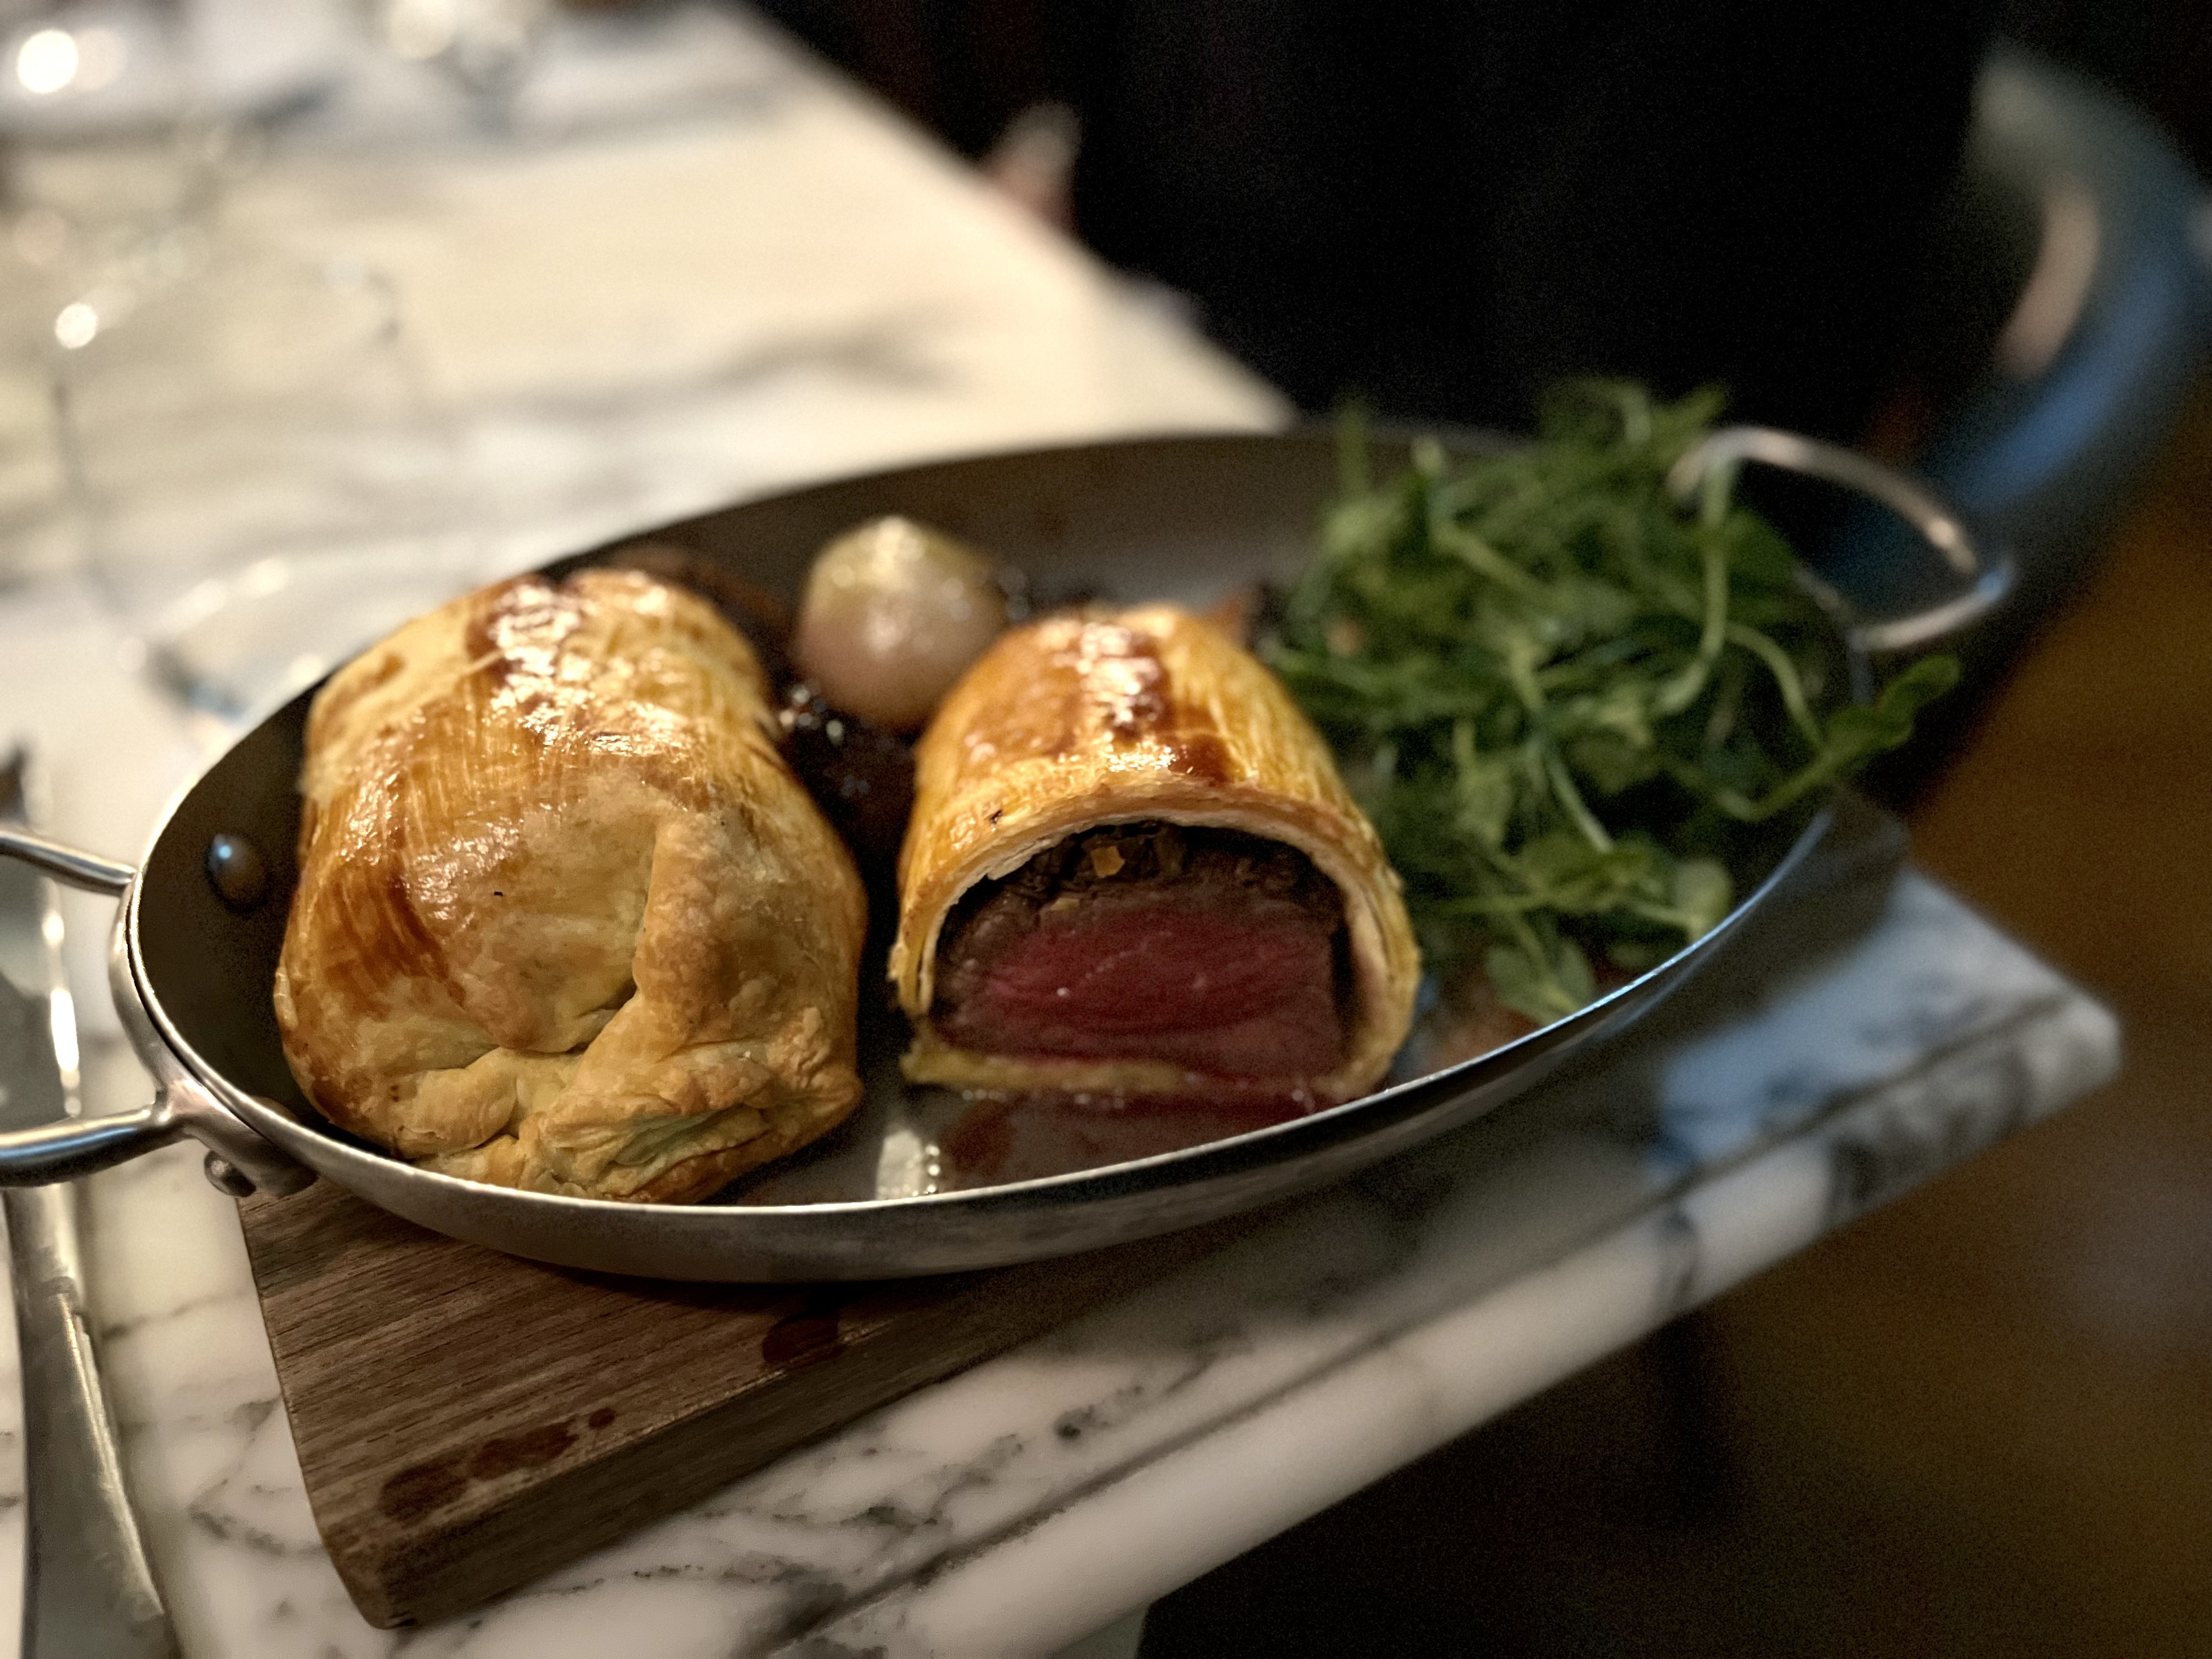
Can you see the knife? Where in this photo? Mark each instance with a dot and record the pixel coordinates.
(87, 1588)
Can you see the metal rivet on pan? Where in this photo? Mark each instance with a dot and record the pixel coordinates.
(237, 872)
(226, 1177)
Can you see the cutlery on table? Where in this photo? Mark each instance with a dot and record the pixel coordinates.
(87, 1588)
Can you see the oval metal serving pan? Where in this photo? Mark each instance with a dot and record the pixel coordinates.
(1186, 519)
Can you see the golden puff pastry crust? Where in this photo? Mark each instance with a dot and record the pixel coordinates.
(566, 921)
(1146, 714)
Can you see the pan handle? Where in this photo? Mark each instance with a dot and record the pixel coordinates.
(238, 1161)
(1988, 575)
(76, 1147)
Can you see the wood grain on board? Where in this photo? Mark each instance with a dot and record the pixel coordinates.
(466, 1420)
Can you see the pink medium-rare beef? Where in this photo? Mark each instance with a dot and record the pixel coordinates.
(1219, 951)
(1226, 989)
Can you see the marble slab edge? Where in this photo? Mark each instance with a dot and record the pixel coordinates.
(1137, 1531)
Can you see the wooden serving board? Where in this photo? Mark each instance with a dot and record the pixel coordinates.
(467, 1420)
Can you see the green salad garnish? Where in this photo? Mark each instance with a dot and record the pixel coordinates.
(1581, 713)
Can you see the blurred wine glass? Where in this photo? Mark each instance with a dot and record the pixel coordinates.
(110, 159)
(486, 46)
(262, 484)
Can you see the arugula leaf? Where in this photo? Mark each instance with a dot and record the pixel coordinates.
(1579, 714)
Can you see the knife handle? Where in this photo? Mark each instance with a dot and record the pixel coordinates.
(88, 1588)
(90, 871)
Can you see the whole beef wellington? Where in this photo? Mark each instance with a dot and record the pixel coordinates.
(566, 921)
(1132, 872)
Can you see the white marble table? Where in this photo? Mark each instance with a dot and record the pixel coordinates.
(785, 283)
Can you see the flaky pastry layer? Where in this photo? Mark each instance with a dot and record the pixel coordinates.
(565, 920)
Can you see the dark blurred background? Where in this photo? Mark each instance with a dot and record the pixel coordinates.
(1444, 207)
(965, 68)
(1970, 236)
(1964, 234)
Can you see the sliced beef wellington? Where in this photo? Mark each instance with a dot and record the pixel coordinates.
(1132, 872)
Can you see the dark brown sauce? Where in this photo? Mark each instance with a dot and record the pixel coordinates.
(996, 1139)
(860, 776)
(532, 1449)
(422, 1489)
(814, 1330)
(759, 615)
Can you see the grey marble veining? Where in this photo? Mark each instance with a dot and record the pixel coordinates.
(1013, 1507)
(1861, 1039)
(1525, 1262)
